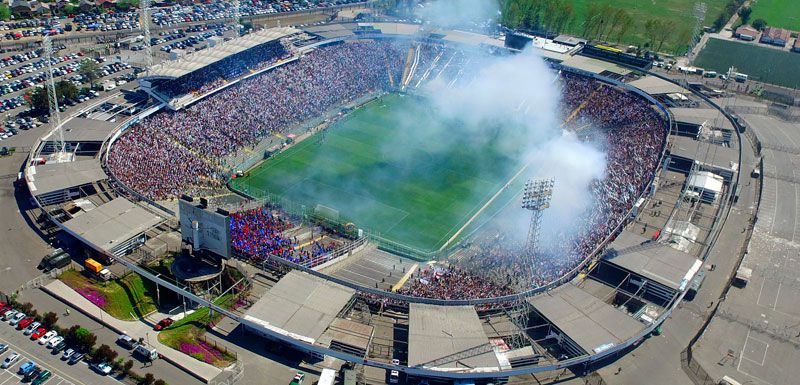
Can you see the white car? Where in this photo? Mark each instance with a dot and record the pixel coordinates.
(10, 360)
(47, 337)
(16, 318)
(11, 313)
(31, 328)
(55, 341)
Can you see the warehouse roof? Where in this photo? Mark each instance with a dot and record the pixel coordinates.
(112, 224)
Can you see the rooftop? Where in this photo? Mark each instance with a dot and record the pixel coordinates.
(53, 177)
(111, 225)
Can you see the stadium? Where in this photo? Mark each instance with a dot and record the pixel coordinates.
(374, 169)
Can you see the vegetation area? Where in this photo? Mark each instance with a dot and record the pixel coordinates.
(127, 298)
(185, 334)
(667, 25)
(763, 64)
(778, 13)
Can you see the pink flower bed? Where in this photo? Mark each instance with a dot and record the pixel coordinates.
(208, 353)
(93, 296)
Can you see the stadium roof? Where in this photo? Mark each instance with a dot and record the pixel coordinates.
(594, 65)
(53, 177)
(200, 59)
(436, 332)
(704, 152)
(331, 31)
(591, 323)
(87, 130)
(654, 85)
(112, 224)
(301, 304)
(658, 262)
(465, 37)
(698, 116)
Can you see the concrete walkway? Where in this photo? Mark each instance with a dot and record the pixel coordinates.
(135, 329)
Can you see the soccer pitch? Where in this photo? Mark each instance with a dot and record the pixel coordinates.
(380, 169)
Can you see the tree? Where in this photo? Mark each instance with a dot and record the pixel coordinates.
(104, 354)
(160, 382)
(126, 368)
(666, 30)
(66, 90)
(148, 379)
(5, 12)
(759, 24)
(651, 28)
(90, 70)
(49, 319)
(624, 25)
(26, 308)
(85, 339)
(744, 14)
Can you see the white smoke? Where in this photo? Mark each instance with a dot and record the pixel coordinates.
(455, 13)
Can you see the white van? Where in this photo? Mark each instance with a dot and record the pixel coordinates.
(149, 354)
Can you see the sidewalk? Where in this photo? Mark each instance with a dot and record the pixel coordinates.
(135, 329)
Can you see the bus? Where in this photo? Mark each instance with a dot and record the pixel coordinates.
(327, 377)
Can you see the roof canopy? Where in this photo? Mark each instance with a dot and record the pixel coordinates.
(112, 224)
(53, 177)
(203, 58)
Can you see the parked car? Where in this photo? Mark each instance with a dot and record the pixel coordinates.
(77, 357)
(47, 337)
(38, 333)
(27, 367)
(41, 378)
(16, 318)
(102, 368)
(3, 348)
(68, 354)
(55, 341)
(9, 314)
(163, 324)
(29, 376)
(25, 323)
(32, 328)
(10, 360)
(126, 341)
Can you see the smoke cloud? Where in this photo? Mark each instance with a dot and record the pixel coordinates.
(453, 13)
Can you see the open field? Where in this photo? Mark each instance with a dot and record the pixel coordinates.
(126, 298)
(778, 13)
(679, 11)
(379, 170)
(762, 64)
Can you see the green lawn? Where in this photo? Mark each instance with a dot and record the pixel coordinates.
(778, 13)
(184, 335)
(393, 175)
(680, 11)
(760, 63)
(128, 298)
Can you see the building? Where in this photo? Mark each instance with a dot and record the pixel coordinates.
(29, 8)
(775, 36)
(746, 33)
(796, 47)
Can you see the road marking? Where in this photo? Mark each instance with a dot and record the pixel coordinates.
(405, 278)
(780, 284)
(741, 354)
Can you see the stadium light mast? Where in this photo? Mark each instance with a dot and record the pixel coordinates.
(52, 99)
(535, 197)
(144, 24)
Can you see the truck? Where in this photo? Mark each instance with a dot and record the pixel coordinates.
(62, 260)
(743, 275)
(148, 353)
(97, 269)
(49, 257)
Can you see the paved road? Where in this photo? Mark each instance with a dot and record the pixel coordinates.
(64, 374)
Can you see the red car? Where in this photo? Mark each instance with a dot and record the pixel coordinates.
(38, 333)
(24, 323)
(163, 324)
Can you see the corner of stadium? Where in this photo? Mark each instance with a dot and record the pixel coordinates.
(332, 282)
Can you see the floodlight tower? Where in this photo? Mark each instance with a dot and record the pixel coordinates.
(144, 24)
(536, 198)
(55, 113)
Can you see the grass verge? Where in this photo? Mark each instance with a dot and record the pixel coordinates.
(127, 298)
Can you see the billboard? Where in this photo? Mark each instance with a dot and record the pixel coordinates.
(204, 228)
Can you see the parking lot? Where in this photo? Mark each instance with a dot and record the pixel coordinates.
(63, 373)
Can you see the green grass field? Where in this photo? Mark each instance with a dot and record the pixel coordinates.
(760, 63)
(778, 13)
(388, 175)
(127, 298)
(680, 11)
